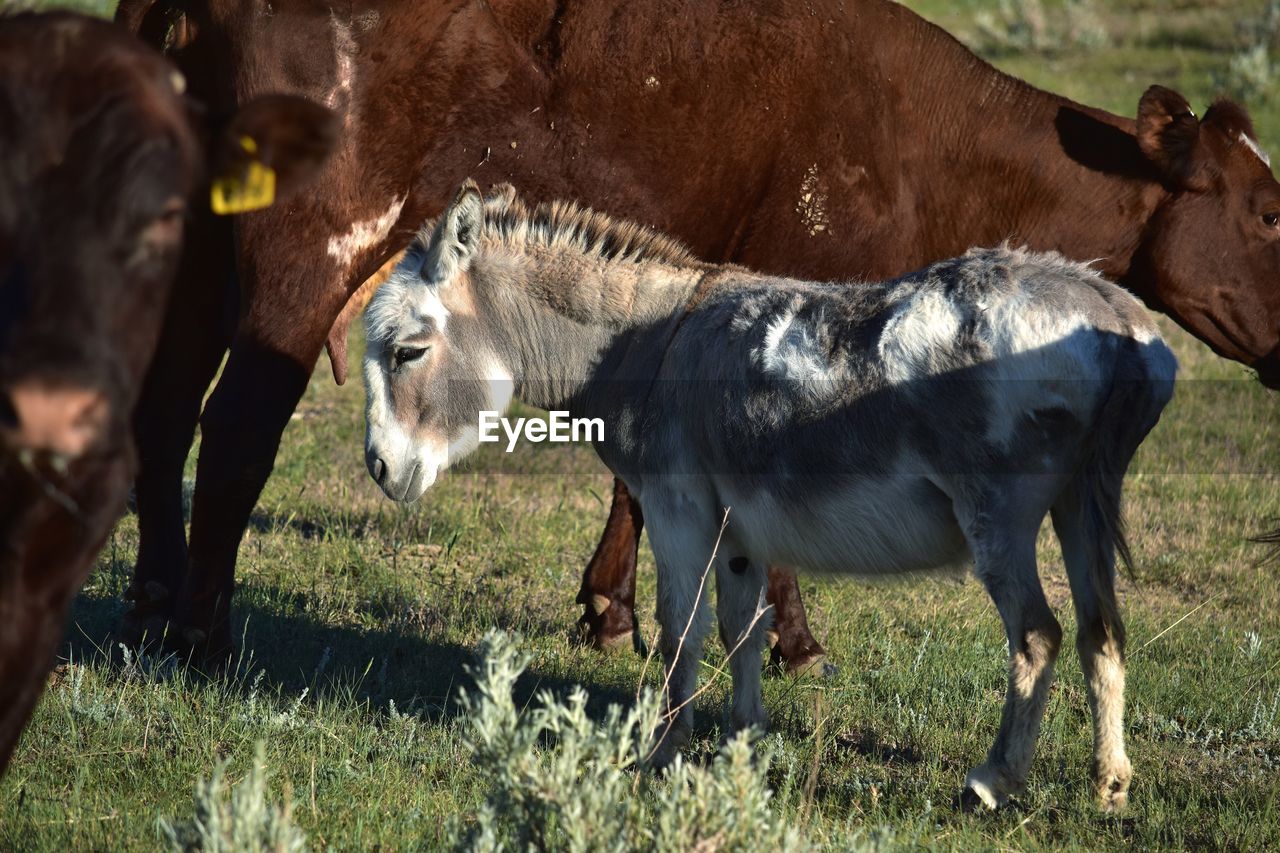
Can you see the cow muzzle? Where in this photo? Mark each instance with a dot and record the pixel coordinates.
(63, 421)
(1268, 368)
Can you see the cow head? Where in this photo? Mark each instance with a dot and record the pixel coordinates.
(1214, 244)
(101, 159)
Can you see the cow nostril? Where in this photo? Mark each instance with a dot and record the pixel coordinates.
(379, 471)
(8, 414)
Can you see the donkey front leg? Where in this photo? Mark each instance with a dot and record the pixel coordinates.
(745, 619)
(682, 533)
(1007, 567)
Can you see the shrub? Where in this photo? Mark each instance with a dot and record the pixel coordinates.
(1017, 26)
(555, 779)
(1253, 72)
(243, 822)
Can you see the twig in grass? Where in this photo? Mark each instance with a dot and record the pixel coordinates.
(1272, 541)
(1183, 618)
(811, 784)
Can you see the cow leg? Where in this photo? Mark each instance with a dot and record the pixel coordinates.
(608, 590)
(240, 434)
(794, 647)
(190, 349)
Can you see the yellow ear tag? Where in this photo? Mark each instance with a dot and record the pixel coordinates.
(253, 189)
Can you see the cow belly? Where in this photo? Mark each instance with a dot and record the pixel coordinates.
(867, 526)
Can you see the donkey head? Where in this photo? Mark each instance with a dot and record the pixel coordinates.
(430, 365)
(1214, 245)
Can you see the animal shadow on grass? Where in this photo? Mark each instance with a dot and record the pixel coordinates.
(289, 651)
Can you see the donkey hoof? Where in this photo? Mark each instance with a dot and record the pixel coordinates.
(1113, 788)
(667, 744)
(985, 787)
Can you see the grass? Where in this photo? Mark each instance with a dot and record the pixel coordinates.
(358, 618)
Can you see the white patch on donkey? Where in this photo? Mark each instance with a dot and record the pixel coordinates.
(792, 354)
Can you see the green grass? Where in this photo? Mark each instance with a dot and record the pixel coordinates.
(357, 618)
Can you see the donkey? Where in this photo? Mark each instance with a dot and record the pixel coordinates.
(887, 427)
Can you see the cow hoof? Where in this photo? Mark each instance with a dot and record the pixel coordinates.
(606, 628)
(143, 628)
(208, 651)
(815, 666)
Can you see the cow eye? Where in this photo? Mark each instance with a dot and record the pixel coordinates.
(407, 355)
(1271, 220)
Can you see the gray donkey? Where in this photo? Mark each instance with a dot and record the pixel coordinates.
(870, 428)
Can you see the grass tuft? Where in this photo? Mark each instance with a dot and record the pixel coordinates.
(239, 819)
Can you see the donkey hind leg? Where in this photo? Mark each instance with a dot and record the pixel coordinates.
(1100, 641)
(683, 536)
(1005, 561)
(740, 588)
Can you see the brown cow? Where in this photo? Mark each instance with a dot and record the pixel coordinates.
(99, 151)
(844, 138)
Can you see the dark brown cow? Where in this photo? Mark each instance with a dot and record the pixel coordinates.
(836, 139)
(99, 151)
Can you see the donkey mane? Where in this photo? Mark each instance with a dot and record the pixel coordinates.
(509, 221)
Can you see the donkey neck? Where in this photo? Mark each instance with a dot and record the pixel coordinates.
(561, 314)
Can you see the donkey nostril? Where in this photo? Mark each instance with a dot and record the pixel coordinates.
(379, 471)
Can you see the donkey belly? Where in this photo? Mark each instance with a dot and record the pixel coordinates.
(866, 526)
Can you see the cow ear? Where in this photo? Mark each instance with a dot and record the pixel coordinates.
(454, 242)
(273, 146)
(1169, 136)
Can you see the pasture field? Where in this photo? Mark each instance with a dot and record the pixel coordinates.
(356, 616)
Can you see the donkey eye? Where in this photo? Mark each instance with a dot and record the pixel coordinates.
(1271, 220)
(405, 355)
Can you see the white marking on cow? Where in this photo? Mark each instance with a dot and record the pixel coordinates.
(1255, 148)
(178, 82)
(812, 206)
(363, 236)
(344, 50)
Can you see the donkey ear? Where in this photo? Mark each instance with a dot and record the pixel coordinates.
(1169, 136)
(454, 242)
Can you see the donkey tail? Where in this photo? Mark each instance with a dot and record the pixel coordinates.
(1142, 385)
